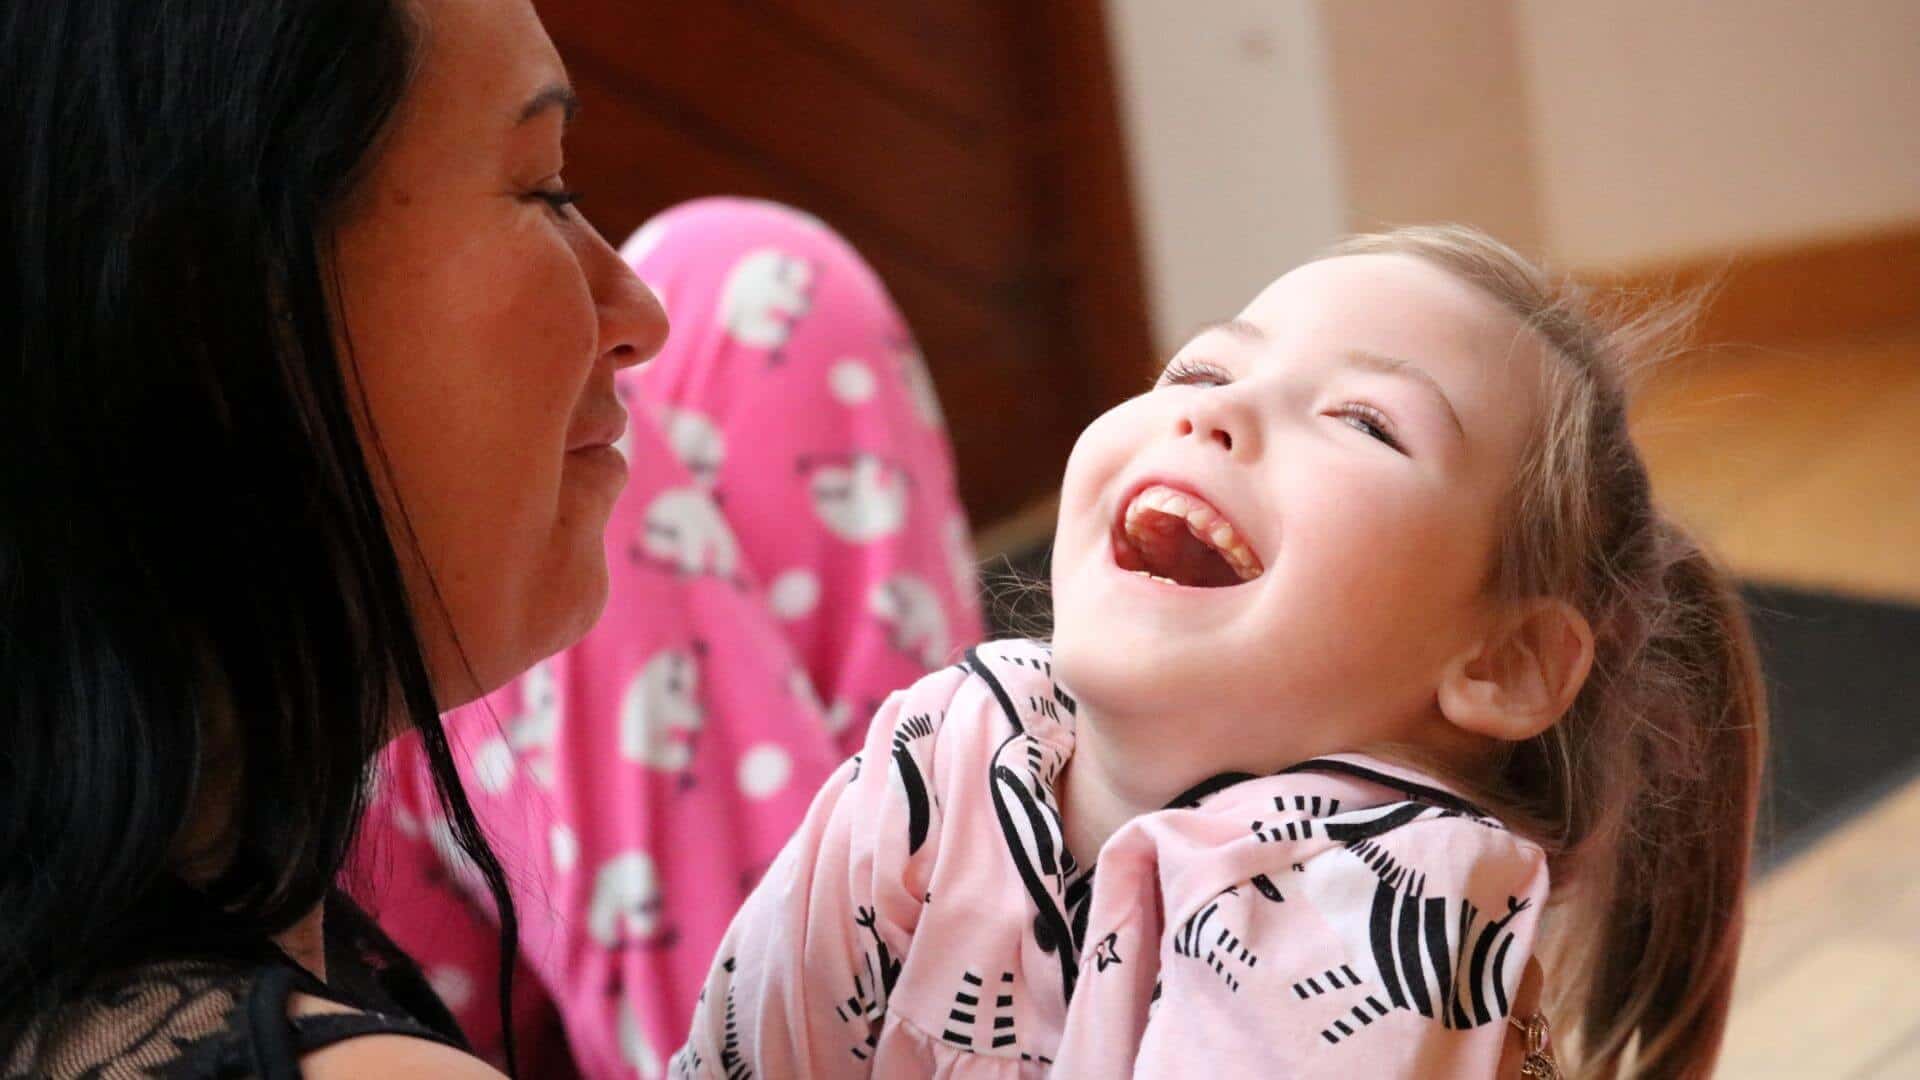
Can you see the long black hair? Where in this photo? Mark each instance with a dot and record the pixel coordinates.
(199, 596)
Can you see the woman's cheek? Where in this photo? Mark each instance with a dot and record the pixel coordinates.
(548, 329)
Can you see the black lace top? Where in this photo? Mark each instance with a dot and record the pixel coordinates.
(181, 1019)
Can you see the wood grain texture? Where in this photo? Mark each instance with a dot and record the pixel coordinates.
(1839, 288)
(969, 149)
(1826, 986)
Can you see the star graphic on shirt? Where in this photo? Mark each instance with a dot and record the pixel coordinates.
(1106, 952)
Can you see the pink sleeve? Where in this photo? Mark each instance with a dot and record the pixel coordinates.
(799, 985)
(1354, 963)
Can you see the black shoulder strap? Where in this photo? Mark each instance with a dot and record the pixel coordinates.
(277, 1041)
(318, 1030)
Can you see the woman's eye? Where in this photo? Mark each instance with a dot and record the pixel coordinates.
(1370, 420)
(1194, 373)
(557, 201)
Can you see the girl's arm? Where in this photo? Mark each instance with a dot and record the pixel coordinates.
(1404, 959)
(800, 983)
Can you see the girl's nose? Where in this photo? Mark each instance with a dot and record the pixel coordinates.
(1222, 423)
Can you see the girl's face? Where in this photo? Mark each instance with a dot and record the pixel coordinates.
(1344, 446)
(486, 319)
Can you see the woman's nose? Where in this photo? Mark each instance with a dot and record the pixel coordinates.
(633, 325)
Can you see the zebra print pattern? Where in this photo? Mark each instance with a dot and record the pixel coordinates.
(1222, 945)
(1331, 979)
(964, 1019)
(863, 1008)
(1340, 1029)
(1283, 830)
(919, 811)
(733, 1062)
(1311, 805)
(1435, 954)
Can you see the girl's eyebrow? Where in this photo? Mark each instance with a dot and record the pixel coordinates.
(1388, 365)
(1240, 328)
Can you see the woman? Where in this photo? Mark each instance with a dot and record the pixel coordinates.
(307, 401)
(789, 549)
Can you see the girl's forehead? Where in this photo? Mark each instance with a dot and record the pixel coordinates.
(1402, 307)
(1378, 294)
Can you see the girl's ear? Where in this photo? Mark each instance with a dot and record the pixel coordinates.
(1515, 682)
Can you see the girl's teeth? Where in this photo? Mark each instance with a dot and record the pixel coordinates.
(1202, 520)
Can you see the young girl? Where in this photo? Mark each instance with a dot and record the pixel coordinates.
(1375, 672)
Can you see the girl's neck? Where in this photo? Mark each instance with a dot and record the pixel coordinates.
(1106, 784)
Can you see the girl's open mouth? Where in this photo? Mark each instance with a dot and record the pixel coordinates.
(1178, 538)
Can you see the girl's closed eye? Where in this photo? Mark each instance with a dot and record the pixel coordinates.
(1372, 421)
(1194, 373)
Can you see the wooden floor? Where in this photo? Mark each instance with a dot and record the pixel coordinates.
(1802, 467)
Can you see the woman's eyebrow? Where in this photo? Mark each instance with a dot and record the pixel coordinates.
(556, 95)
(1388, 365)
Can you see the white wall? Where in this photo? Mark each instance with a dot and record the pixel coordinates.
(1233, 150)
(1611, 135)
(1668, 128)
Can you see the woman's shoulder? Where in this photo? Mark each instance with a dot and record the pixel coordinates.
(190, 1018)
(393, 1054)
(156, 1016)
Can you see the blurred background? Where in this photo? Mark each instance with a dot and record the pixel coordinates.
(1058, 192)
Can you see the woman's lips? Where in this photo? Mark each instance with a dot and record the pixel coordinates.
(604, 428)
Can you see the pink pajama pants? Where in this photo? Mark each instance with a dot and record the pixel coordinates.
(789, 549)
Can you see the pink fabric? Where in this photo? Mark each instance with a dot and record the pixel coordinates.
(1344, 918)
(789, 549)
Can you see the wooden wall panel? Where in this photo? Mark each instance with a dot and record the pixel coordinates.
(717, 70)
(970, 150)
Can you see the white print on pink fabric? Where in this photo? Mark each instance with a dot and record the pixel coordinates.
(452, 984)
(926, 399)
(835, 718)
(564, 844)
(686, 531)
(635, 1048)
(460, 868)
(764, 771)
(794, 594)
(852, 381)
(916, 623)
(528, 738)
(696, 440)
(801, 687)
(860, 501)
(661, 712)
(626, 901)
(766, 292)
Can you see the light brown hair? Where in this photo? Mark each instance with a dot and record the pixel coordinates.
(1645, 793)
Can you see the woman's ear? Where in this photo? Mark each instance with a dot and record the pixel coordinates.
(1515, 682)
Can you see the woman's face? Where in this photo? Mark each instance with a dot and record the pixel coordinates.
(485, 319)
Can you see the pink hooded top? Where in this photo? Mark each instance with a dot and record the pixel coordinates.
(1342, 918)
